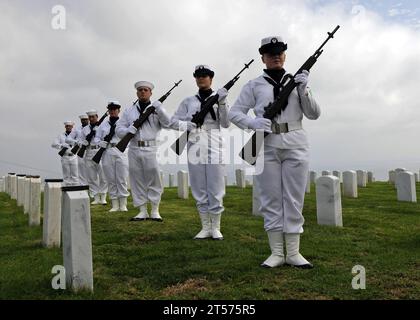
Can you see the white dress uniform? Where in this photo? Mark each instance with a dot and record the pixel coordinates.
(95, 174)
(206, 164)
(75, 137)
(115, 167)
(282, 183)
(144, 175)
(68, 161)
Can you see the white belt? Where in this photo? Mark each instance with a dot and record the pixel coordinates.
(210, 126)
(111, 145)
(93, 147)
(147, 143)
(285, 127)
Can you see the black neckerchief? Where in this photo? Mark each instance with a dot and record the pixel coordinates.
(91, 128)
(275, 80)
(67, 133)
(113, 123)
(202, 96)
(142, 106)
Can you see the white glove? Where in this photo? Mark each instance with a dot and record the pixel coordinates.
(132, 129)
(302, 80)
(223, 93)
(157, 104)
(103, 144)
(187, 126)
(65, 145)
(260, 124)
(85, 143)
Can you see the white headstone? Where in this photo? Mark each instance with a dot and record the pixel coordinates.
(326, 173)
(27, 195)
(255, 198)
(35, 202)
(226, 181)
(183, 189)
(350, 184)
(51, 226)
(328, 201)
(171, 180)
(240, 178)
(308, 184)
(338, 174)
(312, 176)
(391, 176)
(370, 177)
(398, 171)
(6, 184)
(361, 178)
(2, 184)
(162, 178)
(13, 187)
(20, 190)
(406, 187)
(77, 242)
(416, 176)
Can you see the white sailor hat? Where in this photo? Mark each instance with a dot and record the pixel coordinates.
(83, 116)
(92, 113)
(68, 123)
(273, 44)
(146, 84)
(203, 70)
(114, 104)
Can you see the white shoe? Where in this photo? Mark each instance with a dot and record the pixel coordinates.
(215, 226)
(115, 205)
(103, 198)
(97, 199)
(143, 215)
(293, 257)
(275, 239)
(123, 204)
(205, 227)
(154, 214)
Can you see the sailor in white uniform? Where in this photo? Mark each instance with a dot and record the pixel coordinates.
(68, 160)
(75, 137)
(95, 175)
(206, 165)
(146, 186)
(114, 162)
(282, 183)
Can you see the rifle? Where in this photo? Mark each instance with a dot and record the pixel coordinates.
(89, 137)
(97, 157)
(62, 152)
(198, 118)
(250, 151)
(123, 143)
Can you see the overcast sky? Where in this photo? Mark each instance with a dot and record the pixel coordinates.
(366, 82)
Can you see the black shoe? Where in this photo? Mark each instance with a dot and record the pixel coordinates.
(137, 219)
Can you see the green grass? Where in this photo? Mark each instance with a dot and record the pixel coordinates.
(150, 260)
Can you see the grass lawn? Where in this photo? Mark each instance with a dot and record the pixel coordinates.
(151, 260)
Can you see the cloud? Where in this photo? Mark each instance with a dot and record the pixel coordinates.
(365, 81)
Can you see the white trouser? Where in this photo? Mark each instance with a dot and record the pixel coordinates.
(115, 166)
(82, 171)
(208, 186)
(95, 174)
(70, 171)
(144, 175)
(207, 170)
(281, 188)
